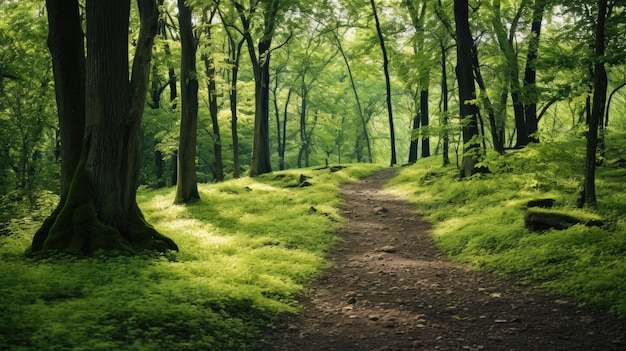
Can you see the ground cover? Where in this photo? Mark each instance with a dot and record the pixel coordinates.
(480, 221)
(246, 250)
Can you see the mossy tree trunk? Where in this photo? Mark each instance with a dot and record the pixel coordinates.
(100, 211)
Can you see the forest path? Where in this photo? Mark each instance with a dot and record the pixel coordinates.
(390, 289)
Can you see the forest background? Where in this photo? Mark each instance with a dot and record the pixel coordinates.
(327, 86)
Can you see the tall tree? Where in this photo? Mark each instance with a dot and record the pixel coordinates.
(187, 185)
(418, 18)
(100, 211)
(512, 71)
(234, 57)
(599, 102)
(365, 134)
(531, 94)
(467, 90)
(209, 64)
(381, 40)
(260, 64)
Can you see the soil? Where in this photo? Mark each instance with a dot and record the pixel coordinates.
(390, 289)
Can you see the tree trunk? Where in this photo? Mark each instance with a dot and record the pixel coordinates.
(424, 114)
(381, 39)
(187, 185)
(467, 91)
(531, 94)
(599, 100)
(101, 212)
(512, 73)
(66, 44)
(235, 55)
(496, 128)
(304, 138)
(413, 148)
(213, 107)
(365, 135)
(261, 66)
(444, 97)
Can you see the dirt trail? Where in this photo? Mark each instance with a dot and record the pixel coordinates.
(389, 289)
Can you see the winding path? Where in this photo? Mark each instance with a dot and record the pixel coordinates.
(389, 289)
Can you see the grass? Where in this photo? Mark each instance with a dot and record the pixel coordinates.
(480, 221)
(246, 251)
(251, 245)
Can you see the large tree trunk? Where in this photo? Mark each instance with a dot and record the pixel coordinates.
(597, 113)
(187, 185)
(101, 211)
(381, 39)
(467, 90)
(67, 48)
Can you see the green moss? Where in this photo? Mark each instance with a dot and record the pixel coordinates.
(480, 221)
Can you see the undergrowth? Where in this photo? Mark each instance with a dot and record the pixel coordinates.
(480, 221)
(246, 250)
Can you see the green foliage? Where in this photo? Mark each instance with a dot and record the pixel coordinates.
(246, 251)
(480, 221)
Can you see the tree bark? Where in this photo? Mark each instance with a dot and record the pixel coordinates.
(600, 84)
(187, 185)
(66, 45)
(101, 212)
(381, 39)
(467, 90)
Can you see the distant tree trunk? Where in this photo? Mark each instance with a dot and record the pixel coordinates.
(424, 127)
(365, 134)
(101, 212)
(467, 91)
(512, 72)
(600, 84)
(187, 185)
(209, 63)
(414, 146)
(424, 77)
(444, 97)
(304, 138)
(531, 93)
(235, 56)
(497, 129)
(381, 39)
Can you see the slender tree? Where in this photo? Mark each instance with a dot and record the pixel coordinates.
(600, 84)
(209, 65)
(467, 91)
(531, 94)
(381, 40)
(100, 211)
(187, 185)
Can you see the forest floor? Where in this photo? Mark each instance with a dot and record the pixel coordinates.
(388, 288)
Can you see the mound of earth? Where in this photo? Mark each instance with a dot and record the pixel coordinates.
(390, 289)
